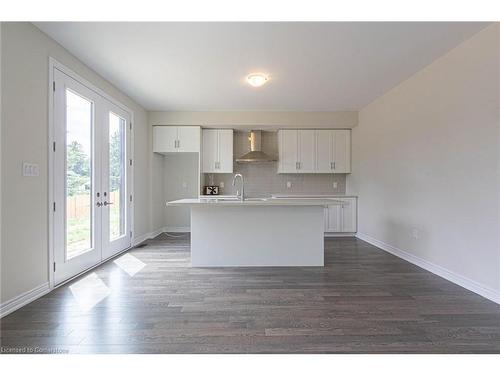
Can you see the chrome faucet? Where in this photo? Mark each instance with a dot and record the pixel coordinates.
(242, 193)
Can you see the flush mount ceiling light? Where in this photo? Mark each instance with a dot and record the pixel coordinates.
(257, 79)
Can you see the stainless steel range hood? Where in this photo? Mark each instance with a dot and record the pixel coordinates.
(255, 155)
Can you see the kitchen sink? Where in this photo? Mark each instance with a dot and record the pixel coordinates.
(235, 199)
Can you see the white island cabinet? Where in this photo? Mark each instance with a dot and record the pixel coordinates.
(256, 232)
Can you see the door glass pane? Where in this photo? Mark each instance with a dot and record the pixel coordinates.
(116, 176)
(78, 175)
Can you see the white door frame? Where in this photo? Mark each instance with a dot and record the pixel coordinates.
(54, 64)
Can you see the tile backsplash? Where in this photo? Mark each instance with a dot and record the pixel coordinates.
(262, 179)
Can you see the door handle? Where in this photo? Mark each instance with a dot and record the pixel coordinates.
(107, 203)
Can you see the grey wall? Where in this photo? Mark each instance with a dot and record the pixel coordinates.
(426, 157)
(24, 121)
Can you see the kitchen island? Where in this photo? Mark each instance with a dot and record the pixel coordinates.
(228, 232)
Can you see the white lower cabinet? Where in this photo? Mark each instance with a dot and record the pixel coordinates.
(342, 218)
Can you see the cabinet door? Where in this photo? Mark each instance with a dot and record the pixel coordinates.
(349, 215)
(334, 218)
(164, 139)
(188, 139)
(210, 150)
(342, 151)
(225, 151)
(288, 148)
(307, 151)
(324, 151)
(326, 219)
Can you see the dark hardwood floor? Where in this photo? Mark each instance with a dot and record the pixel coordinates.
(363, 301)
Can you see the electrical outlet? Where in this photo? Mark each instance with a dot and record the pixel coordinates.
(288, 184)
(335, 185)
(30, 170)
(221, 184)
(414, 233)
(184, 185)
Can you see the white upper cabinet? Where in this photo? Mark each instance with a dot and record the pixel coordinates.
(341, 151)
(217, 155)
(164, 139)
(225, 151)
(324, 151)
(288, 151)
(307, 151)
(167, 139)
(314, 151)
(209, 150)
(188, 138)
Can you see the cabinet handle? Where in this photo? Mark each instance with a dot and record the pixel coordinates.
(297, 165)
(175, 143)
(178, 143)
(331, 165)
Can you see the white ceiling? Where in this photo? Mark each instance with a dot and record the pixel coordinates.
(202, 66)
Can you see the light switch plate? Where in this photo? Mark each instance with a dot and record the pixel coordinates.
(30, 169)
(288, 184)
(335, 185)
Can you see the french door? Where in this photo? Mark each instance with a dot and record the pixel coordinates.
(91, 178)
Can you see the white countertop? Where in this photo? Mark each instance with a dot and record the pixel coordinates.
(309, 195)
(255, 202)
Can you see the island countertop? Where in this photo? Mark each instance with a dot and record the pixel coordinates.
(255, 202)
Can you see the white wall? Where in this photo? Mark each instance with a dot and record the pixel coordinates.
(179, 169)
(426, 156)
(257, 119)
(25, 55)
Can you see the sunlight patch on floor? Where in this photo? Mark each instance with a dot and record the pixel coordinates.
(130, 264)
(89, 291)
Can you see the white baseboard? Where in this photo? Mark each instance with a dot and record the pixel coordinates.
(177, 229)
(333, 234)
(460, 280)
(23, 299)
(137, 240)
